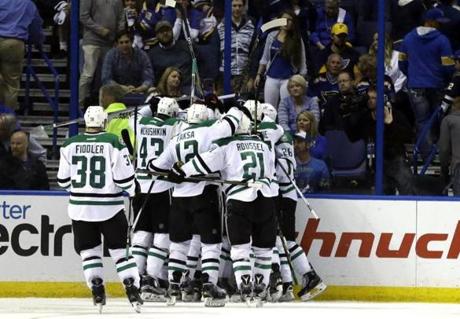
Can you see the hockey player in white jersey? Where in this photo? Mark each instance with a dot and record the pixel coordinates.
(195, 205)
(250, 216)
(95, 168)
(150, 243)
(312, 285)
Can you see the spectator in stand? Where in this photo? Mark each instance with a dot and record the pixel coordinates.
(149, 15)
(127, 66)
(306, 122)
(20, 22)
(451, 29)
(339, 45)
(283, 56)
(111, 96)
(168, 52)
(453, 89)
(20, 170)
(391, 62)
(360, 123)
(101, 21)
(170, 84)
(426, 60)
(406, 15)
(243, 36)
(8, 124)
(131, 17)
(296, 102)
(325, 85)
(449, 145)
(175, 18)
(327, 16)
(311, 174)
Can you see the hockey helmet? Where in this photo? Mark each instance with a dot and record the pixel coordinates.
(254, 108)
(95, 116)
(245, 125)
(167, 106)
(197, 113)
(269, 111)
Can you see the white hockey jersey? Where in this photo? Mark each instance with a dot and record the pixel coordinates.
(192, 141)
(95, 168)
(153, 136)
(284, 150)
(238, 158)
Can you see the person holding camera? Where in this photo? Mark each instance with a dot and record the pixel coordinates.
(359, 122)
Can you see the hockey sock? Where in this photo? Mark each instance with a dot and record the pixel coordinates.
(225, 270)
(177, 258)
(241, 261)
(158, 253)
(210, 262)
(298, 258)
(126, 267)
(286, 273)
(263, 263)
(92, 264)
(193, 255)
(141, 242)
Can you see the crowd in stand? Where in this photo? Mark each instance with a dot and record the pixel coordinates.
(318, 71)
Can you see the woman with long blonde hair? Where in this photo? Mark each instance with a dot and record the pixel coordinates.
(306, 121)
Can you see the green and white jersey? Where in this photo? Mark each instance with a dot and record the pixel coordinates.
(153, 136)
(195, 139)
(284, 150)
(96, 169)
(238, 158)
(271, 133)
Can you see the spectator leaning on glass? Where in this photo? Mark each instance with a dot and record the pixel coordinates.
(283, 56)
(306, 121)
(19, 22)
(127, 66)
(20, 170)
(296, 102)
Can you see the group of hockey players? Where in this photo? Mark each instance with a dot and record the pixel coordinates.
(213, 199)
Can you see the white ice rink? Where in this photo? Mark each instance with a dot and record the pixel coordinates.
(38, 308)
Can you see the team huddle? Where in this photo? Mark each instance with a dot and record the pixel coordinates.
(214, 204)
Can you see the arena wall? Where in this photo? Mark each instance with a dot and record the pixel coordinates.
(364, 248)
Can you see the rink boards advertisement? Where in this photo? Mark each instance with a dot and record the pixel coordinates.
(355, 242)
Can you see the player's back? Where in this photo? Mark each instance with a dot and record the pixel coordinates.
(97, 168)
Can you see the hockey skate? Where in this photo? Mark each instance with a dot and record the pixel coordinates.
(246, 289)
(260, 290)
(98, 291)
(174, 292)
(151, 290)
(133, 294)
(214, 296)
(288, 293)
(276, 284)
(191, 288)
(312, 286)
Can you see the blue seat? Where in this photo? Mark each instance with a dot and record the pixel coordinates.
(345, 158)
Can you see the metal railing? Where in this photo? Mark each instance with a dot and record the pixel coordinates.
(53, 101)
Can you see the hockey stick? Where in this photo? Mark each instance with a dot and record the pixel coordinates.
(185, 26)
(288, 255)
(298, 190)
(194, 179)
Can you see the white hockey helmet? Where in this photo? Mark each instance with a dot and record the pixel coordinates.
(211, 114)
(269, 111)
(167, 106)
(245, 125)
(197, 113)
(252, 106)
(95, 116)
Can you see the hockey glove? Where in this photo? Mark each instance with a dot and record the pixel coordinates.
(176, 175)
